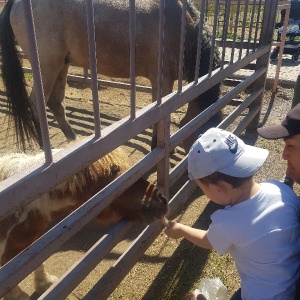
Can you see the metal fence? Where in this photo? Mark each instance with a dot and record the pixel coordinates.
(250, 48)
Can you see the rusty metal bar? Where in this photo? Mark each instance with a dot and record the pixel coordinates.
(225, 31)
(163, 141)
(257, 23)
(213, 38)
(182, 41)
(270, 10)
(200, 39)
(244, 26)
(132, 38)
(238, 6)
(281, 47)
(160, 51)
(251, 26)
(93, 65)
(38, 84)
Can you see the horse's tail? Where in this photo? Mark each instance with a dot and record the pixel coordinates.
(18, 102)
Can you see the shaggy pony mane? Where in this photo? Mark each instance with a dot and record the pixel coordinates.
(107, 167)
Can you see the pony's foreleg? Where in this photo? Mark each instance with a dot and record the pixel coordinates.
(43, 280)
(28, 228)
(56, 104)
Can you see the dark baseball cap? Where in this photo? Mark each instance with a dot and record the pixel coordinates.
(290, 126)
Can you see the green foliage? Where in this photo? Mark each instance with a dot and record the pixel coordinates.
(28, 76)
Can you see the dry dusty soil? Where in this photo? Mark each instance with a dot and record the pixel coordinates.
(170, 268)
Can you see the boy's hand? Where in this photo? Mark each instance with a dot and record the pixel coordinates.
(174, 230)
(194, 296)
(195, 236)
(191, 296)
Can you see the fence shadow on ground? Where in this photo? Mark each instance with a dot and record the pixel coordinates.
(183, 269)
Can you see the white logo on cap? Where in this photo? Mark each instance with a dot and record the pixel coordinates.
(232, 143)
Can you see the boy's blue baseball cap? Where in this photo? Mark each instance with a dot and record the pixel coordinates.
(222, 151)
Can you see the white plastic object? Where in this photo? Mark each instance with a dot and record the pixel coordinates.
(212, 289)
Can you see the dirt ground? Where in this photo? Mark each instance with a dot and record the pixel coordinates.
(170, 268)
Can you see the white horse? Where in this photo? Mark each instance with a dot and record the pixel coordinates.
(141, 202)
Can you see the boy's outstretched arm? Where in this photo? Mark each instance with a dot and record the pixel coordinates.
(195, 236)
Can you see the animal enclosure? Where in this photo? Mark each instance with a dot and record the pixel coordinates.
(200, 62)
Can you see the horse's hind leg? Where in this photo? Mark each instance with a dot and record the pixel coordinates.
(56, 104)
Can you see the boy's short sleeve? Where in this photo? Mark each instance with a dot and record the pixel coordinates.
(218, 239)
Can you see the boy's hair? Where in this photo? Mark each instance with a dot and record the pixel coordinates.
(218, 176)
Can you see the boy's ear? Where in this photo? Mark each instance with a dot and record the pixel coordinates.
(223, 186)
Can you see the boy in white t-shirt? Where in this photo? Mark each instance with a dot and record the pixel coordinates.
(259, 225)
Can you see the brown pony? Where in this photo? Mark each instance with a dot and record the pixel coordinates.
(141, 202)
(61, 30)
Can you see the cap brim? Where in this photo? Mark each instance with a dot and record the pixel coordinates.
(248, 163)
(273, 132)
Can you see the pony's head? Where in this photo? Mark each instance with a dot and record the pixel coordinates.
(141, 202)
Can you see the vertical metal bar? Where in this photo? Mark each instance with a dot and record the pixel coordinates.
(266, 38)
(160, 51)
(251, 25)
(244, 27)
(281, 47)
(182, 41)
(257, 23)
(163, 127)
(200, 39)
(213, 38)
(225, 31)
(38, 85)
(132, 34)
(237, 15)
(163, 141)
(85, 73)
(93, 65)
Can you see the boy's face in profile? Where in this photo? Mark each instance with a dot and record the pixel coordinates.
(291, 153)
